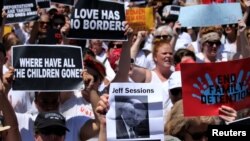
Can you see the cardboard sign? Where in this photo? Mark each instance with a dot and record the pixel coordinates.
(210, 85)
(210, 15)
(20, 10)
(97, 19)
(43, 3)
(66, 2)
(140, 18)
(47, 68)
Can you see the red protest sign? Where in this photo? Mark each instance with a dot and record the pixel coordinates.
(207, 86)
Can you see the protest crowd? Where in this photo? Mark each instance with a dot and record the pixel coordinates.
(152, 54)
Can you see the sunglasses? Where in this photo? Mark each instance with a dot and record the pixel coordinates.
(42, 22)
(229, 25)
(211, 43)
(164, 37)
(53, 131)
(115, 46)
(198, 135)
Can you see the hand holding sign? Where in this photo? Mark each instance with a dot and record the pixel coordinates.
(226, 113)
(5, 84)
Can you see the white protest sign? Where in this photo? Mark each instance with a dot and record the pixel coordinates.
(137, 106)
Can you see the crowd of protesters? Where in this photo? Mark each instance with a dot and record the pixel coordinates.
(147, 57)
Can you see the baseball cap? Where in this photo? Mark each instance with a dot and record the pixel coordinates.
(50, 119)
(3, 128)
(2, 49)
(174, 80)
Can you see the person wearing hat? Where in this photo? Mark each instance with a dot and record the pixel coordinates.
(50, 126)
(174, 86)
(211, 48)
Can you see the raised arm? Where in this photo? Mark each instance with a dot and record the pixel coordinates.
(91, 127)
(141, 35)
(101, 110)
(8, 112)
(124, 63)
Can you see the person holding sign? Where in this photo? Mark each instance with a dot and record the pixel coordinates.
(187, 128)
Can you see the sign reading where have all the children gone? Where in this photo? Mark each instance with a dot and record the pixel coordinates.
(20, 10)
(98, 19)
(210, 85)
(47, 67)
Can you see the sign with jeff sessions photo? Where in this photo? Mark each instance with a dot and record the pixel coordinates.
(67, 2)
(20, 10)
(47, 67)
(215, 84)
(97, 19)
(136, 112)
(43, 3)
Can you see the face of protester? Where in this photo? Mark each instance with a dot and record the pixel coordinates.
(164, 56)
(196, 133)
(60, 9)
(96, 46)
(52, 133)
(230, 28)
(41, 137)
(115, 45)
(44, 23)
(47, 101)
(210, 49)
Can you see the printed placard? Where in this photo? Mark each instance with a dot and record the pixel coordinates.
(140, 19)
(136, 112)
(210, 85)
(47, 68)
(98, 19)
(20, 10)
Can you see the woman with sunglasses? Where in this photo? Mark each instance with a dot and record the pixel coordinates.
(211, 48)
(230, 34)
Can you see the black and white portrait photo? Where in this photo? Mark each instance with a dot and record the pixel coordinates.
(131, 117)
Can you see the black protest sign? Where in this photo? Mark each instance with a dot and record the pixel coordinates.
(43, 3)
(47, 68)
(97, 20)
(67, 2)
(20, 10)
